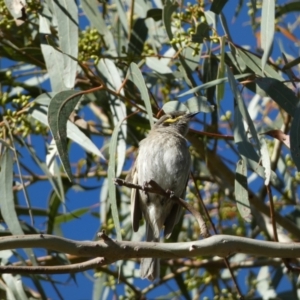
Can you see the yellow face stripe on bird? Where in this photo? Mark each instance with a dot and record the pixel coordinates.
(172, 120)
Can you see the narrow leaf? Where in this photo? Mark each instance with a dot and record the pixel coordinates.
(53, 58)
(242, 107)
(168, 10)
(267, 29)
(295, 138)
(174, 106)
(156, 65)
(199, 103)
(59, 111)
(138, 37)
(155, 14)
(66, 13)
(221, 71)
(280, 93)
(254, 63)
(201, 34)
(6, 196)
(265, 160)
(113, 79)
(211, 84)
(291, 64)
(73, 132)
(217, 6)
(136, 76)
(111, 176)
(241, 190)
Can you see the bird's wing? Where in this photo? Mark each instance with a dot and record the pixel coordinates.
(136, 213)
(172, 219)
(174, 215)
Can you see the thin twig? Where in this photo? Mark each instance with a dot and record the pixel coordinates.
(74, 268)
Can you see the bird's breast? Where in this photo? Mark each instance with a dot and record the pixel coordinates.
(166, 161)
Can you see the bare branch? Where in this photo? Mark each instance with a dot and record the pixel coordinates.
(110, 251)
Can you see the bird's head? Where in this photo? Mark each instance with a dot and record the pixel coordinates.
(176, 120)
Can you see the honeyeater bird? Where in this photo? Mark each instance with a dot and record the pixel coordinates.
(164, 157)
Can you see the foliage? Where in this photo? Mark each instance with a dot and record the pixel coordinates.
(96, 74)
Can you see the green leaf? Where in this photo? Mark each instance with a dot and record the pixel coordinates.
(73, 132)
(112, 77)
(111, 175)
(6, 196)
(280, 93)
(291, 64)
(7, 202)
(53, 58)
(211, 19)
(282, 10)
(199, 103)
(15, 8)
(247, 151)
(217, 6)
(295, 138)
(60, 108)
(158, 66)
(241, 190)
(138, 37)
(66, 13)
(174, 106)
(210, 84)
(67, 217)
(168, 10)
(242, 107)
(202, 33)
(254, 63)
(136, 76)
(265, 159)
(267, 29)
(221, 71)
(121, 14)
(154, 13)
(192, 61)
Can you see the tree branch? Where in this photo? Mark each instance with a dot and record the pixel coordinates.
(110, 251)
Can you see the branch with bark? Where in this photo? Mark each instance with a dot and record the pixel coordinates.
(109, 251)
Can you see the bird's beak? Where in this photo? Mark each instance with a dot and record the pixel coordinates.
(191, 115)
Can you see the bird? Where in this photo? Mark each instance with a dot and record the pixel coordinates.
(163, 156)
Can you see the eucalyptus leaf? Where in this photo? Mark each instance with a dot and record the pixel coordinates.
(111, 175)
(66, 13)
(280, 93)
(136, 76)
(174, 106)
(217, 6)
(60, 108)
(295, 138)
(8, 210)
(210, 84)
(241, 190)
(267, 29)
(113, 79)
(53, 58)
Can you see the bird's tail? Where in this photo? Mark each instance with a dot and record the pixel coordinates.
(150, 267)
